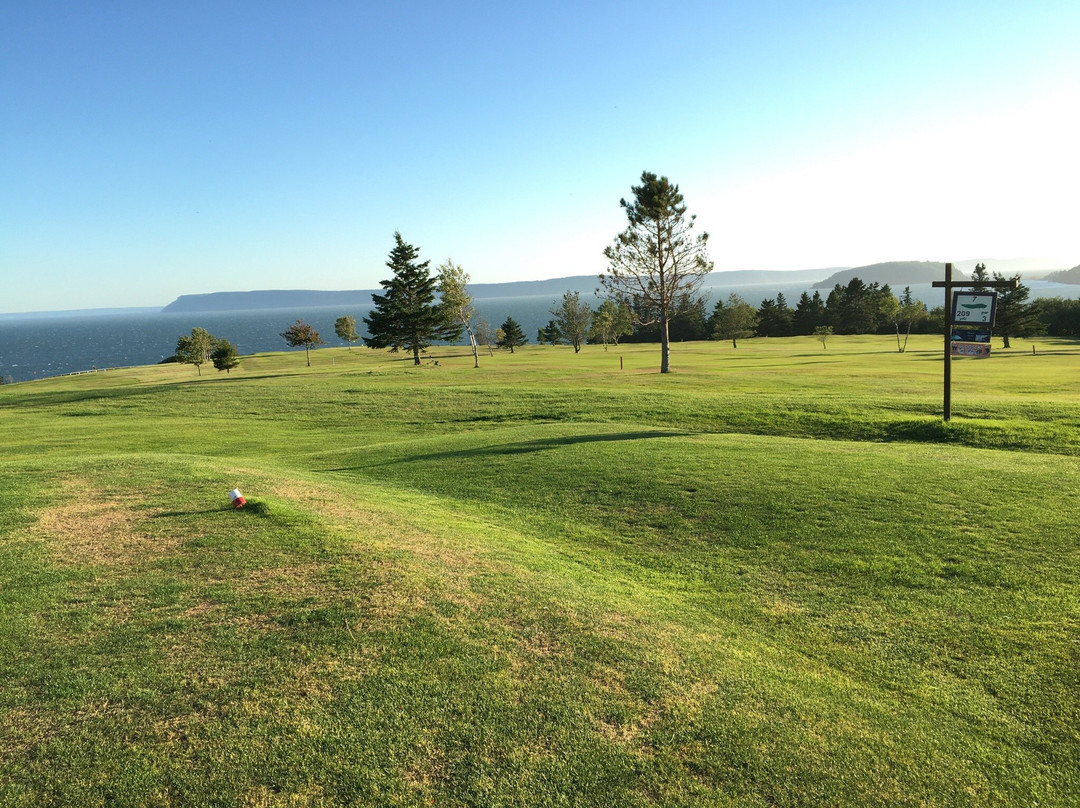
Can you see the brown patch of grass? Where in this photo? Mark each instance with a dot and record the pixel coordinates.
(21, 730)
(298, 582)
(92, 527)
(265, 797)
(782, 610)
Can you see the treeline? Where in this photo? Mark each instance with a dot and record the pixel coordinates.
(852, 308)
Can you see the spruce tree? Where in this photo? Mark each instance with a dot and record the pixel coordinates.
(225, 357)
(1016, 317)
(512, 335)
(406, 317)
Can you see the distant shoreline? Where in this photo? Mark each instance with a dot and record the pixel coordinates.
(896, 273)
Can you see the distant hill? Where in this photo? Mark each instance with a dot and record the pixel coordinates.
(755, 277)
(265, 299)
(897, 274)
(1065, 275)
(894, 273)
(554, 287)
(1031, 268)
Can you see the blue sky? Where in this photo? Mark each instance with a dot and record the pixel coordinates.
(158, 149)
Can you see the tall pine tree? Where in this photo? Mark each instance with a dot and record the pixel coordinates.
(406, 317)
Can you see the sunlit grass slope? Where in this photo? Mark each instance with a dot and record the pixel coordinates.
(774, 577)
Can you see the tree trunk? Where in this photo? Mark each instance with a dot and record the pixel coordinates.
(898, 348)
(665, 362)
(416, 355)
(907, 334)
(475, 352)
(307, 350)
(1005, 344)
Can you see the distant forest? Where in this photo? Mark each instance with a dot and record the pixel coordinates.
(852, 308)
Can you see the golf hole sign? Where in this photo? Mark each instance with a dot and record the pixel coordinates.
(974, 308)
(972, 321)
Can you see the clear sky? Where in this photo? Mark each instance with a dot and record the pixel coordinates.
(152, 149)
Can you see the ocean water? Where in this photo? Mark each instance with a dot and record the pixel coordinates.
(33, 347)
(51, 345)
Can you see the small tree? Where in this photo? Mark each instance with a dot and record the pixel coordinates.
(457, 302)
(484, 334)
(572, 318)
(549, 334)
(823, 332)
(512, 335)
(196, 349)
(734, 320)
(302, 335)
(611, 321)
(910, 311)
(225, 357)
(345, 328)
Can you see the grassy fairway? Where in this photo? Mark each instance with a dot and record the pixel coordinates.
(773, 577)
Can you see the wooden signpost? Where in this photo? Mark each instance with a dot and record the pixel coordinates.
(974, 312)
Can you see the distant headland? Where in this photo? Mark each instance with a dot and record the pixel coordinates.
(895, 273)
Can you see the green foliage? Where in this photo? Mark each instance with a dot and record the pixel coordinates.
(809, 314)
(1016, 317)
(572, 319)
(511, 335)
(657, 261)
(775, 318)
(457, 303)
(484, 334)
(823, 332)
(345, 328)
(406, 317)
(1060, 316)
(979, 278)
(611, 321)
(196, 348)
(302, 335)
(733, 320)
(689, 322)
(910, 312)
(549, 334)
(225, 357)
(859, 308)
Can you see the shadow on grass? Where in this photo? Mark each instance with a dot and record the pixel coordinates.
(170, 514)
(252, 507)
(524, 447)
(921, 432)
